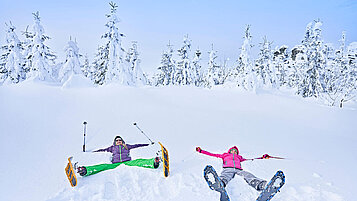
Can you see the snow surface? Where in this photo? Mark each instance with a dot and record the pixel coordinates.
(41, 126)
(77, 80)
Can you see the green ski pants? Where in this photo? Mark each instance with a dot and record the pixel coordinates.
(146, 163)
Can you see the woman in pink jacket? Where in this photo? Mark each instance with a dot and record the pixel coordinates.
(232, 166)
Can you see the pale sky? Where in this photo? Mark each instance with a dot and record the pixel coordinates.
(153, 23)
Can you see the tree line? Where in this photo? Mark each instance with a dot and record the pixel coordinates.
(312, 68)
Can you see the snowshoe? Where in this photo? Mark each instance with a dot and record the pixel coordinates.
(272, 187)
(82, 171)
(214, 182)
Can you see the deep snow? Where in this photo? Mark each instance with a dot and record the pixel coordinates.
(41, 126)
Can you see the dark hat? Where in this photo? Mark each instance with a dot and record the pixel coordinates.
(118, 137)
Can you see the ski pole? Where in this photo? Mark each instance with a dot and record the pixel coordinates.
(84, 136)
(267, 156)
(135, 124)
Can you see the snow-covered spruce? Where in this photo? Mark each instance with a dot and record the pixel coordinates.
(39, 57)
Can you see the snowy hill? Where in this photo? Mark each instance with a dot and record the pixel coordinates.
(41, 126)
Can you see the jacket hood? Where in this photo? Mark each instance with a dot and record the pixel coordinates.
(234, 147)
(116, 137)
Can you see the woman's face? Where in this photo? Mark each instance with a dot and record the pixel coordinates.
(118, 141)
(233, 151)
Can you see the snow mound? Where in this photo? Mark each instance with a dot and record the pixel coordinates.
(77, 81)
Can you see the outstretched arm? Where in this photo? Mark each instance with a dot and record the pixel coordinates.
(198, 149)
(136, 145)
(241, 158)
(109, 149)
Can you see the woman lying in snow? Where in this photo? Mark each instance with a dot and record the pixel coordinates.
(120, 155)
(232, 166)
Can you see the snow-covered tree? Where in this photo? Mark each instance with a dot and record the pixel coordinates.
(264, 67)
(246, 76)
(196, 69)
(72, 64)
(3, 58)
(280, 65)
(12, 63)
(295, 70)
(109, 63)
(312, 83)
(243, 73)
(3, 71)
(212, 76)
(329, 51)
(167, 68)
(86, 67)
(184, 71)
(224, 71)
(352, 62)
(27, 49)
(40, 58)
(100, 65)
(341, 86)
(118, 71)
(133, 60)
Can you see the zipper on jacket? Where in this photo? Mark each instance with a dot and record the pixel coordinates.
(234, 163)
(120, 153)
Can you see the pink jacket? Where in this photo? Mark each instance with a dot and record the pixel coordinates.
(229, 160)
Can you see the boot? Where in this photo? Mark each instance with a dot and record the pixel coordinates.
(156, 162)
(258, 185)
(82, 171)
(261, 186)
